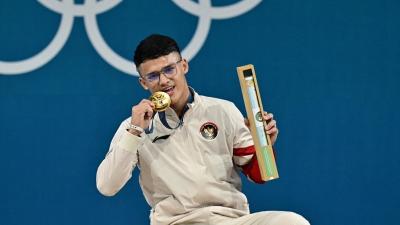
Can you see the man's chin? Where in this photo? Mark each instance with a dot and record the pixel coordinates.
(173, 102)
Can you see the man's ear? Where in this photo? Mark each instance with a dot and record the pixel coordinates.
(185, 66)
(143, 83)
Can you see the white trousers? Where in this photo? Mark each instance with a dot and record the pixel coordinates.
(260, 218)
(266, 218)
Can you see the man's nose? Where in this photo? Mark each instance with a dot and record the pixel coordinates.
(162, 78)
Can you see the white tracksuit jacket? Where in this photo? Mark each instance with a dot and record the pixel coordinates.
(190, 174)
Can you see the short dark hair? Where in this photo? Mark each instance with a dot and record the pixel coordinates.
(154, 46)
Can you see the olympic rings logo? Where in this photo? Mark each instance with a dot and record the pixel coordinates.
(90, 8)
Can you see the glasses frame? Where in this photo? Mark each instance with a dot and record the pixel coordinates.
(162, 71)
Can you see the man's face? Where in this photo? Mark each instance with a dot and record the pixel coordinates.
(166, 73)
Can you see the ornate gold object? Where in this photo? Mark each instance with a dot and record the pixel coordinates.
(254, 108)
(161, 100)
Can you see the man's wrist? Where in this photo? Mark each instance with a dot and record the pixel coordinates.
(135, 130)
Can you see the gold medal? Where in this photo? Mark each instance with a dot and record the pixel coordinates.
(161, 100)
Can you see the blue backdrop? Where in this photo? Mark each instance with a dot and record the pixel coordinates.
(328, 70)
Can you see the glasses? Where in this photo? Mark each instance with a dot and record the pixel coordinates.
(168, 71)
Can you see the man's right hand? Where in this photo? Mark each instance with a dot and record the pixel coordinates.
(142, 114)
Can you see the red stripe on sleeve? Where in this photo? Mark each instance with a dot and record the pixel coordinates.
(244, 151)
(251, 169)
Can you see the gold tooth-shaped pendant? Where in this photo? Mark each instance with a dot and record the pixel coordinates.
(161, 100)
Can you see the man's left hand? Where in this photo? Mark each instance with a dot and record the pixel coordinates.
(271, 127)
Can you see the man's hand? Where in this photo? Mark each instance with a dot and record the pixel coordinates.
(271, 128)
(142, 114)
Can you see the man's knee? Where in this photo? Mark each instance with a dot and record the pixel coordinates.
(290, 218)
(282, 218)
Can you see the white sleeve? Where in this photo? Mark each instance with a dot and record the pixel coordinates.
(242, 136)
(243, 145)
(116, 169)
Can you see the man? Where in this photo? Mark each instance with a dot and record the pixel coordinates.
(190, 155)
